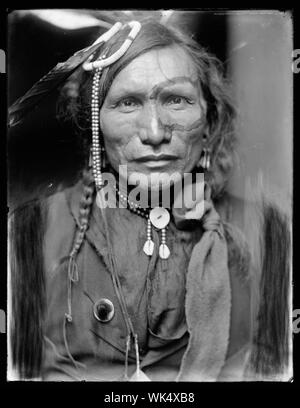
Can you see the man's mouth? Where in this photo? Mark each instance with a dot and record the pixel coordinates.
(156, 158)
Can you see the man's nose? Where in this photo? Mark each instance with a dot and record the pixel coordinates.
(152, 130)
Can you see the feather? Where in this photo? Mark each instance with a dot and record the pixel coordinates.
(22, 106)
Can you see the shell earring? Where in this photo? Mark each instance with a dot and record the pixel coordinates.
(204, 161)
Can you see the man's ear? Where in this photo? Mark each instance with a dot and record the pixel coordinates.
(203, 105)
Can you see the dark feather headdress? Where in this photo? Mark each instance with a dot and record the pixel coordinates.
(47, 84)
(63, 70)
(60, 73)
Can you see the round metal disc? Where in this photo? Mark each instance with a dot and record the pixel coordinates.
(159, 217)
(104, 310)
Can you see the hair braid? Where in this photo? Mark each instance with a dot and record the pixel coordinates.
(86, 202)
(84, 213)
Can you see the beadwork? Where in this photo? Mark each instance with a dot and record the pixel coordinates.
(96, 149)
(152, 218)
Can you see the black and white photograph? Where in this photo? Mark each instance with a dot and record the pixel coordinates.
(150, 195)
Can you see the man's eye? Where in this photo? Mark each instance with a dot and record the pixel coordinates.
(177, 101)
(128, 104)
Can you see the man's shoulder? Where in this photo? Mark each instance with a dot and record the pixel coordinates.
(50, 216)
(53, 200)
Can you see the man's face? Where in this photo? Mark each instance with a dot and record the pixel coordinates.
(153, 117)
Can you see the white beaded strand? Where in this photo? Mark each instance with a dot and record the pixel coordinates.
(149, 244)
(134, 207)
(96, 149)
(164, 251)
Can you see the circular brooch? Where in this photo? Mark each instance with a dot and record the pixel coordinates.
(104, 310)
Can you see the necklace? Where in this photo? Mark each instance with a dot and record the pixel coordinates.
(157, 217)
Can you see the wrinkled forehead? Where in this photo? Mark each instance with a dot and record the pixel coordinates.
(158, 67)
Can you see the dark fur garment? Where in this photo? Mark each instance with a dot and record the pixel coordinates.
(270, 352)
(27, 288)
